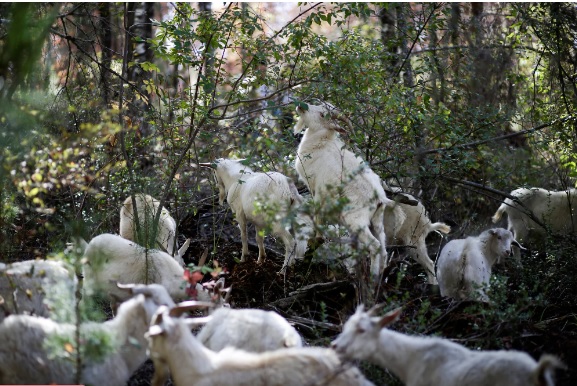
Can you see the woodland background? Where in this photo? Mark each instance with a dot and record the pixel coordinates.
(455, 103)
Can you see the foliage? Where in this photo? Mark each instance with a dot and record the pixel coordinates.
(452, 102)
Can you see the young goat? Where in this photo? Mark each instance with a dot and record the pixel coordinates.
(111, 259)
(173, 348)
(146, 209)
(24, 286)
(464, 265)
(324, 164)
(248, 329)
(24, 358)
(244, 189)
(424, 361)
(410, 225)
(557, 211)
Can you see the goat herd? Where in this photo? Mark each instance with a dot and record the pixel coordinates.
(255, 347)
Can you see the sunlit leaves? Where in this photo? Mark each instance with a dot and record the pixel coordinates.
(68, 162)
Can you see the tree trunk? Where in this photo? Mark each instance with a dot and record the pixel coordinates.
(454, 23)
(105, 37)
(390, 55)
(141, 29)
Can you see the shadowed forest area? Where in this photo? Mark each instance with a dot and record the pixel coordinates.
(456, 104)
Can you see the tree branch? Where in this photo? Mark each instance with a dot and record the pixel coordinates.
(102, 66)
(480, 142)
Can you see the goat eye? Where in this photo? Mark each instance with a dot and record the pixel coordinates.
(360, 330)
(322, 115)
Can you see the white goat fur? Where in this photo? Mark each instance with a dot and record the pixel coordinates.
(248, 329)
(244, 188)
(146, 209)
(27, 283)
(425, 361)
(556, 210)
(464, 265)
(323, 164)
(111, 259)
(25, 360)
(410, 225)
(173, 348)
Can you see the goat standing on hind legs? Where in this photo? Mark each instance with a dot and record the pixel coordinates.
(324, 164)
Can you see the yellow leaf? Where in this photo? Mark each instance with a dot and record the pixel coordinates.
(68, 347)
(37, 177)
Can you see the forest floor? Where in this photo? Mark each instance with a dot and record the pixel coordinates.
(318, 298)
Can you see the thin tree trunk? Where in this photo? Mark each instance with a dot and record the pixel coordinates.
(106, 50)
(142, 29)
(454, 23)
(390, 55)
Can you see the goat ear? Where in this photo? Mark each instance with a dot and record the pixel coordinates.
(390, 317)
(182, 250)
(158, 316)
(493, 231)
(155, 330)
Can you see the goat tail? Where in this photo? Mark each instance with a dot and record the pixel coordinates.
(499, 213)
(295, 197)
(545, 370)
(291, 340)
(440, 227)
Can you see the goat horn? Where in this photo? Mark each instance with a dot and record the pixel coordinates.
(195, 322)
(161, 247)
(342, 118)
(518, 245)
(135, 289)
(375, 308)
(125, 286)
(227, 152)
(202, 260)
(180, 308)
(227, 296)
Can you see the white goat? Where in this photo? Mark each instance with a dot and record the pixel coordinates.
(410, 225)
(464, 265)
(248, 329)
(24, 358)
(424, 361)
(111, 259)
(244, 189)
(146, 209)
(24, 286)
(173, 348)
(325, 165)
(556, 210)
